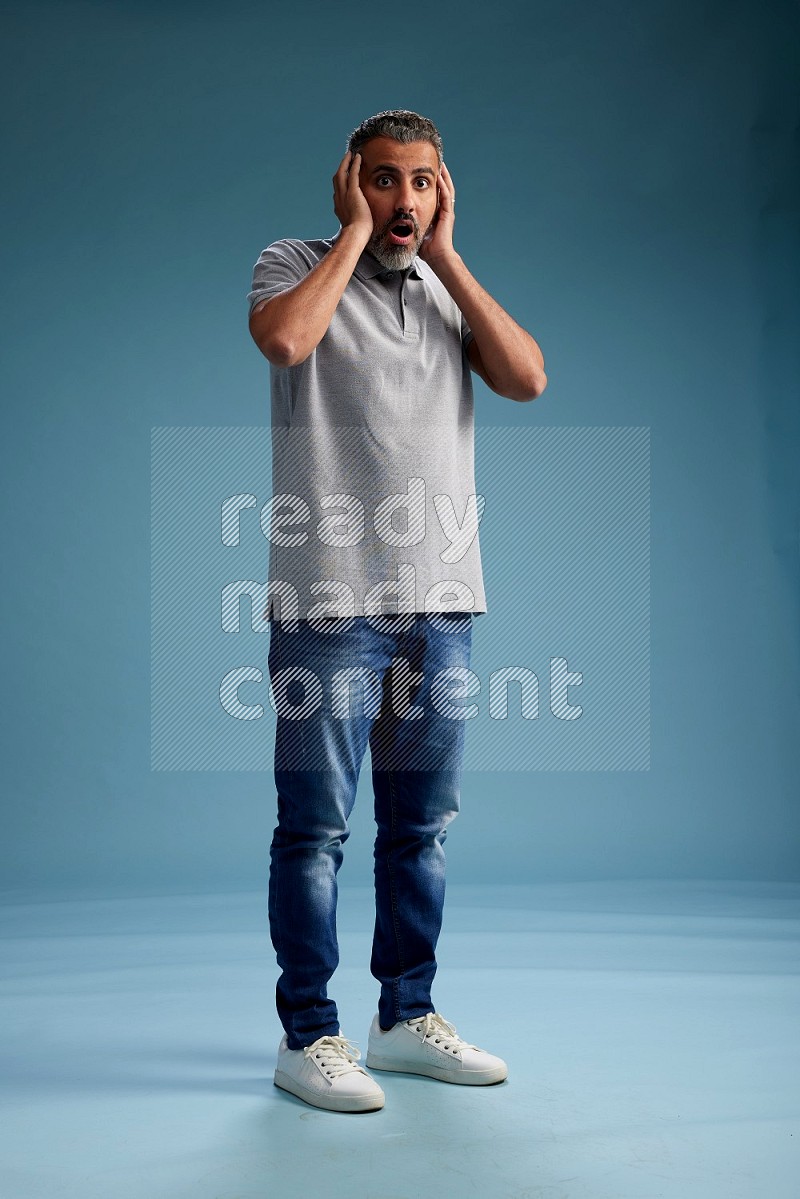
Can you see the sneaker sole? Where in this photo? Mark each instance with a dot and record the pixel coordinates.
(469, 1078)
(331, 1103)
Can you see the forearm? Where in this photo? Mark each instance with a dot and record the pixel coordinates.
(510, 355)
(287, 327)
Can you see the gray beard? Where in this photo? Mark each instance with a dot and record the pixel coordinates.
(393, 258)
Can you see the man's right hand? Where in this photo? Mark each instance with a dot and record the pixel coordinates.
(349, 202)
(288, 326)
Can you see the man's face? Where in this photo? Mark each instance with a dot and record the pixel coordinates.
(400, 184)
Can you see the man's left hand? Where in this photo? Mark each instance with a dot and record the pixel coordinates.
(438, 242)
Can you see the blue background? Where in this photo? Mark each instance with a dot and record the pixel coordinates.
(627, 185)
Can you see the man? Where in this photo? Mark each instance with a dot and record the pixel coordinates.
(370, 337)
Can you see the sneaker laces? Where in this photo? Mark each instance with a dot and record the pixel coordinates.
(434, 1026)
(335, 1054)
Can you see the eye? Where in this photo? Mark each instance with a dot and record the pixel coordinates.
(382, 177)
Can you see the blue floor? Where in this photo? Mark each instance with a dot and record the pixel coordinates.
(651, 1032)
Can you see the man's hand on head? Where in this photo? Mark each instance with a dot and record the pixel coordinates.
(349, 202)
(438, 241)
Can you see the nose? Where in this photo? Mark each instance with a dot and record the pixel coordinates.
(406, 200)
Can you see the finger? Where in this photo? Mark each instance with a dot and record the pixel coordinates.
(355, 167)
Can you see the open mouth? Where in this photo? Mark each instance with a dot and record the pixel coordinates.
(401, 233)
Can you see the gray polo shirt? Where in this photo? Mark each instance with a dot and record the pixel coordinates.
(374, 507)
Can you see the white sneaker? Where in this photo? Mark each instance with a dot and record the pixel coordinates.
(325, 1074)
(429, 1045)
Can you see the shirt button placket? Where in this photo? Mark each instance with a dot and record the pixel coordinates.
(410, 321)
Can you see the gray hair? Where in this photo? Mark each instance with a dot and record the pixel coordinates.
(402, 125)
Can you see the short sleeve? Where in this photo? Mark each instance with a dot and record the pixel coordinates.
(279, 267)
(466, 333)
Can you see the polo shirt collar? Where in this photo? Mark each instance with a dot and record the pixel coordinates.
(368, 266)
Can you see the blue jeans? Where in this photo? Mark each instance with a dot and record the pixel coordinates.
(417, 751)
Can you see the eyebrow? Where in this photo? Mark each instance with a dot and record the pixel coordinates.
(385, 166)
